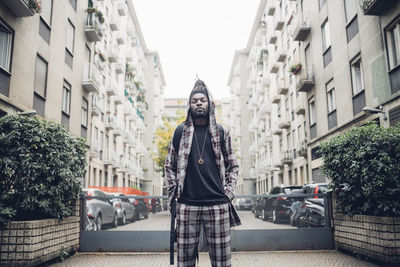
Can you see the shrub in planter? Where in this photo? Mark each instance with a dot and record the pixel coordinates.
(364, 166)
(39, 164)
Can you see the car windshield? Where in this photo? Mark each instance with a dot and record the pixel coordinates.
(287, 190)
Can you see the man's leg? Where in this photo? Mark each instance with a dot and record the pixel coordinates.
(188, 231)
(216, 224)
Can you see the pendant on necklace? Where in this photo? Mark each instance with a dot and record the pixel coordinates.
(200, 161)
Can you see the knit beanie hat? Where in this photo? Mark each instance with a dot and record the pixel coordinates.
(199, 87)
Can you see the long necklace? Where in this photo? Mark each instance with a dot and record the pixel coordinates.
(200, 160)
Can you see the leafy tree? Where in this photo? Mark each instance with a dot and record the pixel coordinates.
(364, 167)
(163, 137)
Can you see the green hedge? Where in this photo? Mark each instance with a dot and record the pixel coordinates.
(366, 161)
(39, 164)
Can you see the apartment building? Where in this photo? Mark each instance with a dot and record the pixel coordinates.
(313, 70)
(84, 64)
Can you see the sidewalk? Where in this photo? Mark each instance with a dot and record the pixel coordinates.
(245, 259)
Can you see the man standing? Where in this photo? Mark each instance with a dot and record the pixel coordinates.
(201, 172)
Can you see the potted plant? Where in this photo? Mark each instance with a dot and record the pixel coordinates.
(36, 5)
(295, 69)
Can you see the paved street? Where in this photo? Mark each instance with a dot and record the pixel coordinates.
(247, 259)
(161, 221)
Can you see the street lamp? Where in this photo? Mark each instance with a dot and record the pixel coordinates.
(375, 111)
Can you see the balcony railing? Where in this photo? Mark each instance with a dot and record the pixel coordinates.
(274, 68)
(306, 80)
(122, 9)
(271, 6)
(119, 68)
(20, 8)
(113, 22)
(253, 149)
(91, 78)
(95, 148)
(97, 106)
(287, 157)
(282, 88)
(278, 23)
(93, 29)
(112, 54)
(265, 108)
(300, 109)
(284, 123)
(377, 7)
(273, 39)
(276, 99)
(301, 27)
(110, 123)
(302, 149)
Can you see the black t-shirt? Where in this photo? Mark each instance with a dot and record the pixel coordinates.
(203, 185)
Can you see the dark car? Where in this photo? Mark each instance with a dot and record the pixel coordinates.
(277, 208)
(100, 211)
(244, 204)
(141, 208)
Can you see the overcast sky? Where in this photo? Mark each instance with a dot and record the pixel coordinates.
(196, 37)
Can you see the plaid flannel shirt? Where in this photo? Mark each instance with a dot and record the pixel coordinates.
(176, 162)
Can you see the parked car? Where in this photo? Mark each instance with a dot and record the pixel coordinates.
(277, 208)
(125, 210)
(101, 211)
(315, 188)
(245, 204)
(141, 208)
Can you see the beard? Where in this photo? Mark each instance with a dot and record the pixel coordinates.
(197, 116)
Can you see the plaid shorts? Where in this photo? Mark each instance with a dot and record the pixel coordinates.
(216, 225)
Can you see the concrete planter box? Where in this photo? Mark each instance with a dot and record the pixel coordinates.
(29, 243)
(372, 236)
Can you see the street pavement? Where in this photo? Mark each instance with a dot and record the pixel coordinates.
(239, 259)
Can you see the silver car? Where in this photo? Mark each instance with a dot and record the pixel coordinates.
(100, 211)
(124, 208)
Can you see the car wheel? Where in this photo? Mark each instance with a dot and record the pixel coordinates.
(91, 225)
(263, 215)
(115, 222)
(99, 223)
(124, 218)
(274, 217)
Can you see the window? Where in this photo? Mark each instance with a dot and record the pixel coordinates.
(70, 36)
(73, 3)
(39, 97)
(393, 44)
(330, 93)
(45, 19)
(326, 43)
(350, 9)
(6, 38)
(357, 76)
(358, 85)
(321, 3)
(66, 98)
(312, 112)
(84, 112)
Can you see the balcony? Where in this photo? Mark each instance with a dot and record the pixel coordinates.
(118, 130)
(110, 159)
(265, 81)
(300, 110)
(301, 26)
(118, 100)
(281, 55)
(97, 106)
(277, 131)
(377, 7)
(279, 23)
(122, 9)
(274, 68)
(282, 88)
(92, 27)
(121, 38)
(287, 157)
(278, 164)
(265, 108)
(302, 149)
(119, 68)
(113, 23)
(112, 54)
(306, 80)
(276, 99)
(20, 8)
(253, 126)
(273, 39)
(284, 123)
(110, 90)
(270, 8)
(110, 123)
(91, 78)
(95, 148)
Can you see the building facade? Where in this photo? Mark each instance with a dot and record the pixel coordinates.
(313, 70)
(84, 64)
